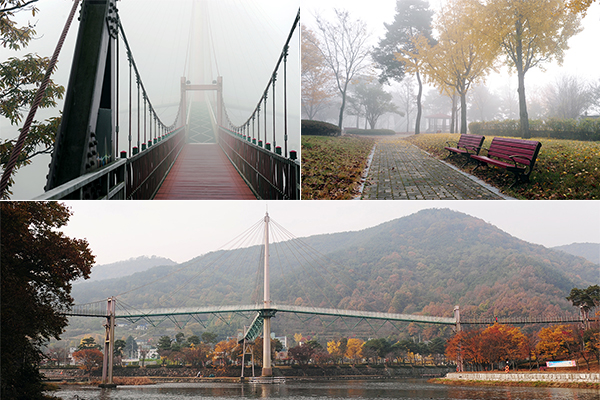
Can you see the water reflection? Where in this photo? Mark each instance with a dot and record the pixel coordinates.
(405, 389)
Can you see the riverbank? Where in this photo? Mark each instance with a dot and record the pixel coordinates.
(229, 374)
(536, 379)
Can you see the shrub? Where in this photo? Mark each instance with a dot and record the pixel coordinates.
(378, 132)
(586, 129)
(319, 128)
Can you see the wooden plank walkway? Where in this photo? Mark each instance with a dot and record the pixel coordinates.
(203, 172)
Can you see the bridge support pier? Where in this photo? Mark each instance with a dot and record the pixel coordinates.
(109, 346)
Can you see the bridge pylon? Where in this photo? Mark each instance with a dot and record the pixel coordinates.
(109, 345)
(267, 312)
(87, 135)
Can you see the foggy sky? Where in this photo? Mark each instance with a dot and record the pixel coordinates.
(247, 37)
(580, 59)
(181, 230)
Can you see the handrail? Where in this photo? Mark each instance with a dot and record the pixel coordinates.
(107, 183)
(269, 175)
(147, 170)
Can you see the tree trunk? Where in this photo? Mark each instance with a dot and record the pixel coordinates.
(523, 116)
(463, 113)
(419, 93)
(341, 118)
(453, 115)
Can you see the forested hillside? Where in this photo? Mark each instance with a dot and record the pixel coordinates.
(128, 267)
(589, 251)
(424, 263)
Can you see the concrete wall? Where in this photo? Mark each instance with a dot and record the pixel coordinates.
(526, 377)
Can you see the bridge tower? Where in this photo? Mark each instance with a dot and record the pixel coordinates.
(109, 345)
(267, 311)
(87, 135)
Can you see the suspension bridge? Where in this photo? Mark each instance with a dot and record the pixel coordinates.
(201, 154)
(264, 311)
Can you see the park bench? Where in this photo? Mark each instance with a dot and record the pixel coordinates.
(466, 146)
(520, 153)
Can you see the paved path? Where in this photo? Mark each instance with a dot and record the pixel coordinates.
(401, 171)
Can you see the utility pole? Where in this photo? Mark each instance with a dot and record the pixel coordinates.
(459, 360)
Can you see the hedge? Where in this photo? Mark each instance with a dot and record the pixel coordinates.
(357, 131)
(319, 128)
(586, 129)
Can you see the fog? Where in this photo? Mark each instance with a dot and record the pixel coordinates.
(240, 40)
(581, 60)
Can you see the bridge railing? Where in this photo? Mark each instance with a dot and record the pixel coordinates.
(147, 170)
(136, 178)
(269, 175)
(106, 183)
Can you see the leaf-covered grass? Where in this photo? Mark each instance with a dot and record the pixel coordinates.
(332, 166)
(565, 169)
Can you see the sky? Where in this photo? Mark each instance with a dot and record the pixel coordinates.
(182, 230)
(580, 60)
(247, 37)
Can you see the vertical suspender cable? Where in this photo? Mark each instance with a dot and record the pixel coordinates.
(117, 98)
(145, 118)
(129, 56)
(285, 131)
(265, 118)
(138, 115)
(274, 78)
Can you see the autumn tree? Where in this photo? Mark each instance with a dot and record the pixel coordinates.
(412, 19)
(38, 265)
(197, 354)
(90, 359)
(317, 80)
(530, 33)
(87, 343)
(354, 349)
(343, 46)
(460, 58)
(502, 342)
(337, 349)
(557, 342)
(19, 81)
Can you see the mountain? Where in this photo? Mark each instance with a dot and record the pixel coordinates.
(425, 263)
(128, 267)
(589, 251)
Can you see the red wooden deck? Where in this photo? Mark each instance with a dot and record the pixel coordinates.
(203, 172)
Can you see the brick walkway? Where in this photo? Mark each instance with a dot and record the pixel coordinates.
(401, 171)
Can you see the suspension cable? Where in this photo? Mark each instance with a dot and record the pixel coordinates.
(18, 147)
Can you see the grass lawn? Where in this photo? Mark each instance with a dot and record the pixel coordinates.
(332, 166)
(565, 169)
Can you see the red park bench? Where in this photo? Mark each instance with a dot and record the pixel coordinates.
(520, 153)
(466, 146)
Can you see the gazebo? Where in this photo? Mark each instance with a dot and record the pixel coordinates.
(438, 123)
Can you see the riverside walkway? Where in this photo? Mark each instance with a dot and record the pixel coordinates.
(401, 171)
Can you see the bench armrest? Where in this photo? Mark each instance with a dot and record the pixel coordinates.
(513, 158)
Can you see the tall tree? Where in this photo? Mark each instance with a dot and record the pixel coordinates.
(38, 264)
(569, 97)
(461, 57)
(317, 81)
(530, 32)
(343, 46)
(19, 80)
(412, 19)
(374, 99)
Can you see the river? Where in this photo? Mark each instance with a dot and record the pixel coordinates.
(294, 390)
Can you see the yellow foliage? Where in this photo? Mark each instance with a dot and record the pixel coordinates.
(354, 348)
